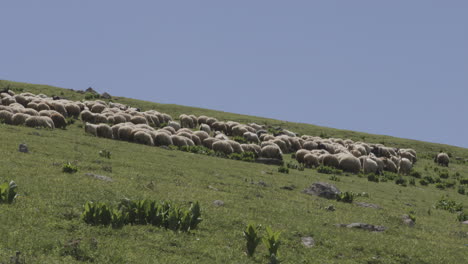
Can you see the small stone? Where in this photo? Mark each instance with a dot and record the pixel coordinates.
(23, 148)
(212, 188)
(465, 223)
(308, 241)
(364, 226)
(99, 177)
(289, 188)
(368, 205)
(407, 220)
(218, 203)
(323, 189)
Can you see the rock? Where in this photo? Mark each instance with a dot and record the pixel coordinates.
(323, 189)
(269, 161)
(218, 203)
(90, 90)
(465, 222)
(368, 205)
(106, 96)
(330, 208)
(99, 177)
(308, 241)
(364, 226)
(407, 220)
(212, 188)
(23, 148)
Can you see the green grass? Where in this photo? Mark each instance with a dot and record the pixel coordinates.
(46, 215)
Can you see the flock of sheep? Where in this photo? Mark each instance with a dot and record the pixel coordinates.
(121, 122)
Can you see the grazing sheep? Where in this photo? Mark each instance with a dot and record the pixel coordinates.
(59, 107)
(223, 146)
(239, 130)
(195, 120)
(39, 121)
(125, 133)
(42, 106)
(405, 166)
(87, 116)
(119, 119)
(251, 137)
(139, 120)
(300, 154)
(408, 155)
(174, 125)
(206, 128)
(184, 134)
(236, 146)
(281, 144)
(32, 105)
(219, 126)
(330, 160)
(310, 145)
(166, 118)
(295, 143)
(368, 165)
(252, 148)
(208, 142)
(272, 151)
(211, 120)
(179, 141)
(202, 119)
(442, 159)
(202, 135)
(59, 120)
(19, 119)
(186, 121)
(143, 137)
(310, 160)
(186, 130)
(221, 136)
(100, 118)
(389, 165)
(267, 137)
(349, 163)
(73, 110)
(30, 112)
(170, 129)
(115, 131)
(6, 116)
(104, 130)
(8, 100)
(21, 99)
(162, 139)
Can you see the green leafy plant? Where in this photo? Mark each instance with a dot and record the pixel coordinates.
(328, 170)
(240, 139)
(244, 156)
(105, 153)
(423, 182)
(373, 177)
(444, 174)
(334, 178)
(463, 181)
(444, 203)
(416, 174)
(283, 169)
(345, 197)
(252, 238)
(461, 189)
(400, 181)
(272, 242)
(8, 192)
(69, 168)
(462, 216)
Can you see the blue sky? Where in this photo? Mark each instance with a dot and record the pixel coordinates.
(397, 68)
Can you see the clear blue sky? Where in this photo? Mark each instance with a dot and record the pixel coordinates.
(397, 68)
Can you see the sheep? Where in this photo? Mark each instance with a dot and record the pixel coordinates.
(206, 128)
(97, 108)
(32, 105)
(186, 130)
(189, 142)
(125, 133)
(6, 116)
(272, 151)
(59, 120)
(87, 116)
(104, 130)
(389, 165)
(195, 120)
(310, 145)
(184, 134)
(179, 141)
(174, 125)
(281, 144)
(118, 119)
(30, 111)
(202, 119)
(19, 119)
(267, 137)
(202, 135)
(251, 137)
(152, 120)
(143, 137)
(186, 121)
(219, 126)
(221, 136)
(166, 118)
(115, 131)
(21, 99)
(405, 166)
(73, 110)
(368, 165)
(251, 148)
(239, 130)
(162, 139)
(208, 142)
(349, 163)
(196, 140)
(39, 121)
(169, 129)
(8, 100)
(211, 120)
(310, 160)
(139, 120)
(235, 146)
(296, 143)
(255, 126)
(100, 118)
(59, 107)
(329, 160)
(223, 146)
(300, 154)
(42, 106)
(408, 155)
(442, 159)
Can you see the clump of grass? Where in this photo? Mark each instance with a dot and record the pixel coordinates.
(400, 181)
(444, 203)
(334, 178)
(283, 169)
(328, 170)
(69, 168)
(373, 177)
(8, 192)
(345, 197)
(105, 154)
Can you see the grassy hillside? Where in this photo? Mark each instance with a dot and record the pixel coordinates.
(44, 222)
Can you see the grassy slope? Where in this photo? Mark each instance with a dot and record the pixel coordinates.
(46, 215)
